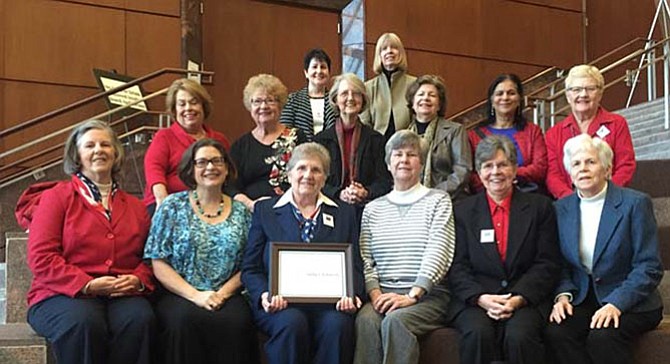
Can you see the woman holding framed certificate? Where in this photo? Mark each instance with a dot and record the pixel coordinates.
(302, 333)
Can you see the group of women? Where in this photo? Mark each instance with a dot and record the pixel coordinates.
(375, 165)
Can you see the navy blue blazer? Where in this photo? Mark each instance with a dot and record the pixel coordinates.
(280, 225)
(532, 265)
(626, 263)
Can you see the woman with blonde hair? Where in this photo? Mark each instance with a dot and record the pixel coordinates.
(388, 111)
(584, 88)
(261, 154)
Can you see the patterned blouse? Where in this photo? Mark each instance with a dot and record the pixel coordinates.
(205, 255)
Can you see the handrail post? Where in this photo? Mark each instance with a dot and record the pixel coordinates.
(651, 75)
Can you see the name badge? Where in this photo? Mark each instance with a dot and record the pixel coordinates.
(487, 236)
(603, 132)
(328, 220)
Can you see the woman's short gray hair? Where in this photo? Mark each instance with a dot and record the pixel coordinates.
(585, 71)
(406, 139)
(310, 150)
(72, 161)
(489, 147)
(355, 83)
(583, 142)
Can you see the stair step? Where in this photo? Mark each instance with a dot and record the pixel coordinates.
(20, 345)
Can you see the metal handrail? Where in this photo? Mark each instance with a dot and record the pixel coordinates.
(606, 69)
(483, 102)
(13, 129)
(650, 47)
(98, 116)
(60, 145)
(57, 160)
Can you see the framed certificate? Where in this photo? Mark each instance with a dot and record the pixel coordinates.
(311, 273)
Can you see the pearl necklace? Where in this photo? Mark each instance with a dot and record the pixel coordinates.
(202, 211)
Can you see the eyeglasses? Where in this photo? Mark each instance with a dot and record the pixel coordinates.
(270, 101)
(203, 162)
(489, 166)
(578, 89)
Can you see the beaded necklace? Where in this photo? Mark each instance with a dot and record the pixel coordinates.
(202, 211)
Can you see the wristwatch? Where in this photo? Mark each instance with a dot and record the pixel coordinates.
(414, 296)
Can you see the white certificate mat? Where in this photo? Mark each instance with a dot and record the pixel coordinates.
(312, 274)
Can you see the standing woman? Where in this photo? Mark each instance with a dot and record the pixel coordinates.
(195, 245)
(190, 104)
(505, 104)
(584, 89)
(449, 161)
(608, 294)
(388, 111)
(308, 109)
(87, 296)
(358, 173)
(308, 333)
(260, 155)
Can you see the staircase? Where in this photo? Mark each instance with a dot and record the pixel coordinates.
(647, 127)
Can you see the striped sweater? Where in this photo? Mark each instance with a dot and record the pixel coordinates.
(298, 113)
(407, 239)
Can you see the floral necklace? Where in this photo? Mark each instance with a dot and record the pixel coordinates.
(202, 211)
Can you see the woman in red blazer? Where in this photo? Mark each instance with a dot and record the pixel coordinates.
(85, 250)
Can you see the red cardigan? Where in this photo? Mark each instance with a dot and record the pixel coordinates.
(533, 150)
(70, 243)
(163, 156)
(618, 137)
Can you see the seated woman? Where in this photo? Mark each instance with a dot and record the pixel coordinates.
(449, 162)
(260, 156)
(386, 91)
(506, 265)
(357, 170)
(195, 245)
(584, 89)
(608, 294)
(407, 244)
(85, 248)
(306, 333)
(308, 109)
(190, 104)
(505, 104)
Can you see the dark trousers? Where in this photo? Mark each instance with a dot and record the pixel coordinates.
(193, 335)
(96, 330)
(515, 341)
(319, 335)
(573, 342)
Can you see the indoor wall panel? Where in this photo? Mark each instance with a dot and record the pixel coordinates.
(62, 49)
(611, 27)
(165, 7)
(119, 4)
(3, 34)
(151, 48)
(575, 5)
(245, 38)
(23, 101)
(500, 30)
(467, 79)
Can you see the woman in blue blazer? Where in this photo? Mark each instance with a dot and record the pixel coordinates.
(307, 333)
(607, 296)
